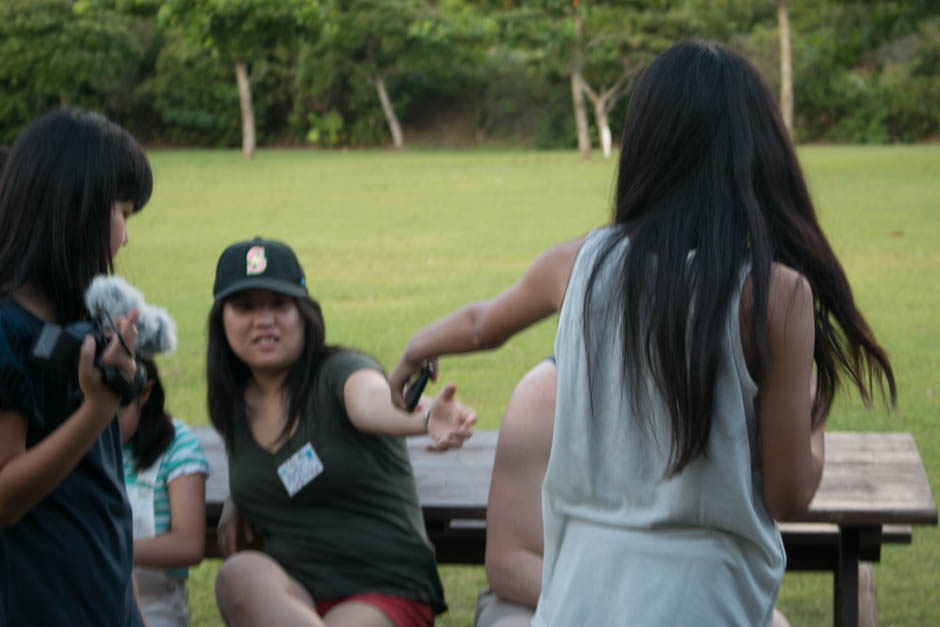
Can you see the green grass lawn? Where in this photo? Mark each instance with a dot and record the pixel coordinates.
(393, 241)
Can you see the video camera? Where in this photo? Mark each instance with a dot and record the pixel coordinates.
(57, 347)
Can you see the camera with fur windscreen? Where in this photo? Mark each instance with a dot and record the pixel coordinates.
(57, 347)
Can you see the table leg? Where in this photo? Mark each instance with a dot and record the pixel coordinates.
(845, 592)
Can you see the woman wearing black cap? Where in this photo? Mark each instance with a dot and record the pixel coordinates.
(317, 464)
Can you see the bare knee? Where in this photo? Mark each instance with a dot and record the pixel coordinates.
(246, 581)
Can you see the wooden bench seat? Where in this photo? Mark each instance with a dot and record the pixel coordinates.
(809, 546)
(815, 546)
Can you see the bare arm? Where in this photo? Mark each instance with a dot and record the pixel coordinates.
(367, 399)
(514, 543)
(792, 450)
(484, 325)
(184, 545)
(29, 476)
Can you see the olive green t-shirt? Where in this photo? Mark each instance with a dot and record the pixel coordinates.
(357, 526)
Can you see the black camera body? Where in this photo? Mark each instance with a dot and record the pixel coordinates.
(57, 348)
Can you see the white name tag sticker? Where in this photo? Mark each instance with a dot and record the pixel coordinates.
(300, 469)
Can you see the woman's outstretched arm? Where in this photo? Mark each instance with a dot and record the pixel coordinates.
(366, 397)
(488, 324)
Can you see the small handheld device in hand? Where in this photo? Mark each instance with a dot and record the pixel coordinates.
(416, 387)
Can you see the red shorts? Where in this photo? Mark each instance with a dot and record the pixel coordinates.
(403, 612)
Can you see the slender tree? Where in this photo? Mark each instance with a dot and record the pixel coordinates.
(577, 83)
(242, 31)
(550, 34)
(619, 40)
(603, 100)
(786, 65)
(376, 40)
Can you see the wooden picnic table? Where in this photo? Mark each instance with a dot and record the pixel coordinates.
(873, 489)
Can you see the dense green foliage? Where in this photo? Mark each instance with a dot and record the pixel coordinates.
(456, 71)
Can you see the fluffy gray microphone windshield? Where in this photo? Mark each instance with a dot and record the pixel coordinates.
(156, 331)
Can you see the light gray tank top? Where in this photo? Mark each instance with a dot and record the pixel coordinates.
(623, 545)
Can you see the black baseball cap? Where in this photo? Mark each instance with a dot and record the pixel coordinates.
(259, 264)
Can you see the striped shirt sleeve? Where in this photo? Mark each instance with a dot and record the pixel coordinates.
(184, 456)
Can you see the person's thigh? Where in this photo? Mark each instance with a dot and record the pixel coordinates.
(357, 613)
(252, 589)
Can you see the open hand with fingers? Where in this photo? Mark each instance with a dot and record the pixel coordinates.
(449, 422)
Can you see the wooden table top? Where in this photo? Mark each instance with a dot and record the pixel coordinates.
(873, 478)
(869, 479)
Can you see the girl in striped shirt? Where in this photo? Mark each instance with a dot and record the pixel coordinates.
(165, 473)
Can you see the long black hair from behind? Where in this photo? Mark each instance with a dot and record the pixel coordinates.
(707, 183)
(155, 430)
(63, 174)
(227, 375)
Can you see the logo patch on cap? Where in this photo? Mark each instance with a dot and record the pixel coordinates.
(255, 261)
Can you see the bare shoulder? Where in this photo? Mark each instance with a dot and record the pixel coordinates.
(789, 294)
(527, 426)
(786, 285)
(788, 280)
(533, 396)
(560, 257)
(570, 248)
(555, 265)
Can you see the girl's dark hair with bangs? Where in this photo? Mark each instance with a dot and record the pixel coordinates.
(227, 375)
(64, 173)
(706, 165)
(155, 431)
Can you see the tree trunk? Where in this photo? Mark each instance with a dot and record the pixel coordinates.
(393, 126)
(604, 100)
(600, 101)
(248, 112)
(580, 116)
(603, 125)
(577, 95)
(786, 68)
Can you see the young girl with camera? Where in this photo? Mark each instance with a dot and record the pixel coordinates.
(701, 337)
(71, 181)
